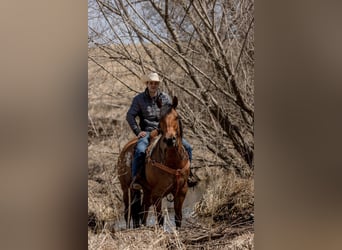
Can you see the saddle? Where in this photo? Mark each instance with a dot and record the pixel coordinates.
(154, 138)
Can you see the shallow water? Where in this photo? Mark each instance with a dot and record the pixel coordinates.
(193, 195)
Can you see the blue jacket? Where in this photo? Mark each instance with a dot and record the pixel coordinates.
(145, 107)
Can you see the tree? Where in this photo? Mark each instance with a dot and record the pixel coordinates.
(204, 50)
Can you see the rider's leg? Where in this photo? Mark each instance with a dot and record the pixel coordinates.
(192, 180)
(139, 159)
(188, 148)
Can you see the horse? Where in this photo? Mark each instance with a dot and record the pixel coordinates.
(167, 168)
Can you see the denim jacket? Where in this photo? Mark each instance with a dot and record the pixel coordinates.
(145, 107)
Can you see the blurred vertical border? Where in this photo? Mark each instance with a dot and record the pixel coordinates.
(298, 125)
(43, 110)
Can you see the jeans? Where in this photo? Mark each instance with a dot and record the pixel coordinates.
(139, 155)
(188, 148)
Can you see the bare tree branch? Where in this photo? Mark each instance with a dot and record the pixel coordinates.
(204, 52)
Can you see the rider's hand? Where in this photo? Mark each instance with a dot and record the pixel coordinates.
(142, 134)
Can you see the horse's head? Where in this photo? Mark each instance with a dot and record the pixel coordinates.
(170, 124)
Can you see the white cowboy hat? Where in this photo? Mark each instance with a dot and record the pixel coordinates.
(151, 77)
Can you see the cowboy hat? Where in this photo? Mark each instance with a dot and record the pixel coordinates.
(151, 77)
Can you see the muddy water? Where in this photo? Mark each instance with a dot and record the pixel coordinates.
(193, 195)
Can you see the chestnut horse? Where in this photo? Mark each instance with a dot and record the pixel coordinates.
(167, 168)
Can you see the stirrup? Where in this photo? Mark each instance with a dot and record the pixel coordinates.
(135, 185)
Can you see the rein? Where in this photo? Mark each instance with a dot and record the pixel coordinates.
(177, 172)
(167, 169)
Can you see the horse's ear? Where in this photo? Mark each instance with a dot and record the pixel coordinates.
(159, 102)
(174, 102)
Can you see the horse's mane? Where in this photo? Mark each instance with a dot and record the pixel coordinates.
(180, 126)
(165, 110)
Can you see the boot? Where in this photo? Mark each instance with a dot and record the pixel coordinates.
(135, 185)
(136, 173)
(192, 179)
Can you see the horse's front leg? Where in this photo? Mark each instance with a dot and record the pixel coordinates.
(136, 208)
(178, 204)
(158, 206)
(146, 206)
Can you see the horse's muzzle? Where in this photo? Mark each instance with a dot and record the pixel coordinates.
(170, 142)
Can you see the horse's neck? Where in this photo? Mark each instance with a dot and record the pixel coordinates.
(171, 157)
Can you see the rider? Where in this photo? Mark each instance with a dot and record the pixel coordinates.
(145, 107)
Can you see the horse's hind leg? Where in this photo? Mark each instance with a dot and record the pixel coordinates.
(125, 198)
(136, 208)
(146, 207)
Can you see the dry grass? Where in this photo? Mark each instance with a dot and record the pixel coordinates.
(228, 198)
(143, 238)
(155, 238)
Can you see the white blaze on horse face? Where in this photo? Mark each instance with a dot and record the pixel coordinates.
(171, 127)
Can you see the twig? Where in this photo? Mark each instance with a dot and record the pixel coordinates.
(205, 237)
(243, 45)
(92, 124)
